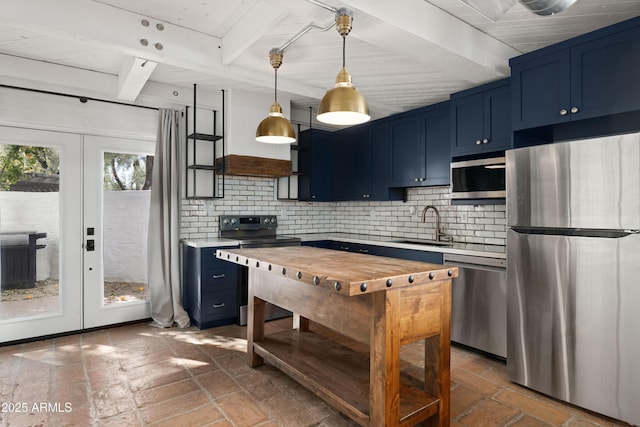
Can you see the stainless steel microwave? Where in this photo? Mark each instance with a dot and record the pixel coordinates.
(478, 179)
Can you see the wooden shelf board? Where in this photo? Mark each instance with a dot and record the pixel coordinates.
(204, 167)
(205, 137)
(338, 374)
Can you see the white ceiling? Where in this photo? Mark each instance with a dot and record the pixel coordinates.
(401, 54)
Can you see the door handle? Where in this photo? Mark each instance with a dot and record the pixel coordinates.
(91, 245)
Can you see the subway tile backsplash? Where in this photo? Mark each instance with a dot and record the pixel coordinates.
(484, 224)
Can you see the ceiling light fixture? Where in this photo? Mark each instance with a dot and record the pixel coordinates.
(343, 105)
(275, 129)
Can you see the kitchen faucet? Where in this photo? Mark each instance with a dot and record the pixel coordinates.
(439, 233)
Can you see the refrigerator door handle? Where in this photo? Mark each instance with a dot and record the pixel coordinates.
(576, 232)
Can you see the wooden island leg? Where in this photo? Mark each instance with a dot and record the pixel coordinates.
(300, 323)
(437, 361)
(255, 323)
(384, 401)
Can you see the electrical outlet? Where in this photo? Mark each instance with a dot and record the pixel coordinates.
(464, 217)
(283, 214)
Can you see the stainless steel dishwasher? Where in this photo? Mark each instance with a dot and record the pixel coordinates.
(479, 303)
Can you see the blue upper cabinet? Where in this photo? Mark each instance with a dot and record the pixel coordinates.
(435, 133)
(315, 165)
(380, 153)
(420, 147)
(406, 151)
(594, 75)
(352, 163)
(361, 164)
(481, 119)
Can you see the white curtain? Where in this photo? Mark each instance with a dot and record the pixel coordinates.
(164, 226)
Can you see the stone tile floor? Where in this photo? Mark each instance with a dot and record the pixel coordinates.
(136, 375)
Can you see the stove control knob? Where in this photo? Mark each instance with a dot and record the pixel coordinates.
(233, 220)
(225, 221)
(273, 220)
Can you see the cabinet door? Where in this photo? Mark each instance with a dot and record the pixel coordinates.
(352, 164)
(541, 91)
(497, 122)
(315, 164)
(467, 124)
(380, 146)
(605, 76)
(407, 164)
(436, 133)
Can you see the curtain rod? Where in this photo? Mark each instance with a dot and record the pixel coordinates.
(82, 99)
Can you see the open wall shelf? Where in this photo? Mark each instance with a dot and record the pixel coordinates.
(204, 152)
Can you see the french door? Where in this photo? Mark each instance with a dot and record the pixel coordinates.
(73, 231)
(40, 237)
(117, 183)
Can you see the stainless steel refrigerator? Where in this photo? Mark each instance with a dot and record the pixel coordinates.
(573, 272)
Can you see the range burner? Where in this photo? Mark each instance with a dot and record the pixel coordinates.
(253, 231)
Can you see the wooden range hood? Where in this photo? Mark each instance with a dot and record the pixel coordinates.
(237, 165)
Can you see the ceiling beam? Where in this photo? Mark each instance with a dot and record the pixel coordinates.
(424, 31)
(134, 73)
(104, 27)
(49, 77)
(101, 27)
(253, 25)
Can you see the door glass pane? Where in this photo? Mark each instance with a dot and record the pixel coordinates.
(29, 231)
(126, 201)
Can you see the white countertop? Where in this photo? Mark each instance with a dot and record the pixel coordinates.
(474, 249)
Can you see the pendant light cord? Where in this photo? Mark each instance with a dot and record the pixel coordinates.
(344, 44)
(276, 85)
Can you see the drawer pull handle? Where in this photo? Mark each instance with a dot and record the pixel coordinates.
(218, 276)
(218, 305)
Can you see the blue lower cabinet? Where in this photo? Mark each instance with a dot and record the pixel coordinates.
(318, 244)
(424, 256)
(209, 288)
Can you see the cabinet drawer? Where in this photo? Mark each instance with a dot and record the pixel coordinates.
(208, 255)
(219, 305)
(218, 274)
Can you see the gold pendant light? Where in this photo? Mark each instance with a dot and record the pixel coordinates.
(275, 129)
(343, 105)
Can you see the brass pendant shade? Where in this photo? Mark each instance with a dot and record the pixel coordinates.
(275, 129)
(343, 105)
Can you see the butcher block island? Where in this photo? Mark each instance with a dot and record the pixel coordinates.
(380, 303)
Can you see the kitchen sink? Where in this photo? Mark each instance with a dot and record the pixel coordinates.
(424, 242)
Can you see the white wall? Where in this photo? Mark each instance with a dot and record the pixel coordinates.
(245, 111)
(126, 215)
(50, 112)
(125, 226)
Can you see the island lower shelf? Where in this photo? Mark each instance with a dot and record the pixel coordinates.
(339, 374)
